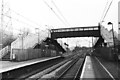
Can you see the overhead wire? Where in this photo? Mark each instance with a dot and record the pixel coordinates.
(14, 28)
(19, 21)
(22, 21)
(25, 17)
(22, 17)
(59, 12)
(107, 10)
(104, 11)
(54, 13)
(15, 20)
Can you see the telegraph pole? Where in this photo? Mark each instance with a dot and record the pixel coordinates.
(5, 10)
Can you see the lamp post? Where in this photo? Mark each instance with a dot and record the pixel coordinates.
(116, 57)
(110, 23)
(37, 31)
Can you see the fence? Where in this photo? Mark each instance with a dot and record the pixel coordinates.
(104, 52)
(27, 54)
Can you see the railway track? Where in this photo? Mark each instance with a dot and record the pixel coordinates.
(72, 71)
(50, 69)
(46, 67)
(24, 72)
(30, 70)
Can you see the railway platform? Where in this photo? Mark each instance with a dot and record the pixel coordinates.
(94, 68)
(8, 65)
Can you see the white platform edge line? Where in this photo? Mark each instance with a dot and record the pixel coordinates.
(26, 64)
(83, 71)
(105, 69)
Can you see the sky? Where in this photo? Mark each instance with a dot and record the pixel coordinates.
(44, 14)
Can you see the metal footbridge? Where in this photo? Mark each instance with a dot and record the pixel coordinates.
(92, 31)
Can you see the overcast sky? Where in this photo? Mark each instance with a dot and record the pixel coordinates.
(76, 13)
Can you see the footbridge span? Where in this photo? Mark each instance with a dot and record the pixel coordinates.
(92, 31)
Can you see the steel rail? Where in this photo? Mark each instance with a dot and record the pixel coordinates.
(69, 67)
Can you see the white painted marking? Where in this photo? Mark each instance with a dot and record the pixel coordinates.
(105, 69)
(88, 71)
(83, 71)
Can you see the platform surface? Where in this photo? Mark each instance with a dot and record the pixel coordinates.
(8, 65)
(87, 71)
(94, 69)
